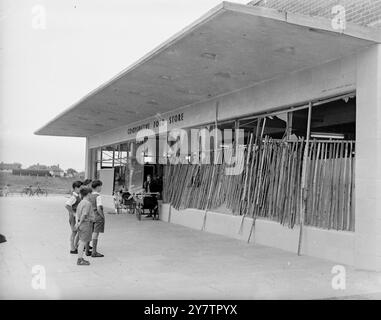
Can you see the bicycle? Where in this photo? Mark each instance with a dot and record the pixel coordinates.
(40, 192)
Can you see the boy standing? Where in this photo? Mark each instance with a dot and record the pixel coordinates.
(84, 225)
(71, 206)
(87, 184)
(99, 222)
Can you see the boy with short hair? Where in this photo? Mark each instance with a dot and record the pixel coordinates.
(99, 221)
(87, 183)
(84, 225)
(71, 206)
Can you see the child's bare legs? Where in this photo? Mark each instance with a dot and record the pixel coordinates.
(87, 248)
(81, 247)
(95, 253)
(73, 236)
(76, 240)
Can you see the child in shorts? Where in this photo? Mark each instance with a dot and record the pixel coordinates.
(99, 221)
(84, 225)
(87, 184)
(71, 206)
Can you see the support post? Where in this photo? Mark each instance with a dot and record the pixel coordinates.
(88, 160)
(216, 157)
(367, 166)
(259, 142)
(304, 190)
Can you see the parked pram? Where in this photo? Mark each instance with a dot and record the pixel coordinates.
(147, 204)
(125, 201)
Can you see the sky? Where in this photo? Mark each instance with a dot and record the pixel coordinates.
(54, 52)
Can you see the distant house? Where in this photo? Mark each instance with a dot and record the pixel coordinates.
(8, 167)
(56, 171)
(38, 167)
(69, 175)
(31, 172)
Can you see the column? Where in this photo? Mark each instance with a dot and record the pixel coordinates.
(368, 161)
(88, 161)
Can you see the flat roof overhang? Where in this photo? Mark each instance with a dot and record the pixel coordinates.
(232, 46)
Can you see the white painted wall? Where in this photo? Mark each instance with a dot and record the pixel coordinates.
(108, 203)
(337, 246)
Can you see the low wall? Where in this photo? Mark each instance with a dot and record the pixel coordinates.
(337, 246)
(108, 203)
(332, 245)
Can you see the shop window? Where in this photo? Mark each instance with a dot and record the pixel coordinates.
(107, 157)
(120, 166)
(289, 125)
(334, 120)
(275, 126)
(299, 123)
(249, 126)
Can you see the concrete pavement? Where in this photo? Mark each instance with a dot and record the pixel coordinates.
(155, 260)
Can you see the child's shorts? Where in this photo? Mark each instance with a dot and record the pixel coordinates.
(85, 231)
(99, 226)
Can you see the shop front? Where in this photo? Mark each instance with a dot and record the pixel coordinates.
(285, 99)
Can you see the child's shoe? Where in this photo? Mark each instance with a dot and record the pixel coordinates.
(82, 262)
(74, 251)
(97, 255)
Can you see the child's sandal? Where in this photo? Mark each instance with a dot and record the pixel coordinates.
(97, 255)
(82, 262)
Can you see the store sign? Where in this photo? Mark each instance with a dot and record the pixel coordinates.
(136, 129)
(170, 120)
(188, 117)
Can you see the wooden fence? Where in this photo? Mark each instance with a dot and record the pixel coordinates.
(269, 183)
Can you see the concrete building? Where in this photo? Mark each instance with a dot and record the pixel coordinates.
(239, 63)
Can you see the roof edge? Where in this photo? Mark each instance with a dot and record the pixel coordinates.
(318, 23)
(177, 36)
(321, 23)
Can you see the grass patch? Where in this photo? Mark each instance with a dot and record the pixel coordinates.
(51, 184)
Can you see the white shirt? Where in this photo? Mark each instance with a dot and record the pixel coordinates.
(72, 199)
(99, 199)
